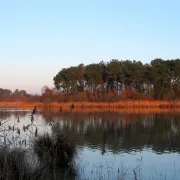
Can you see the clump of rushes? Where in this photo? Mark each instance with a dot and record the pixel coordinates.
(51, 159)
(13, 164)
(55, 151)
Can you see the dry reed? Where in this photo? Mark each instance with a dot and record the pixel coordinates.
(99, 105)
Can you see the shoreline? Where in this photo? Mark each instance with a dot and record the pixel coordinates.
(85, 104)
(122, 106)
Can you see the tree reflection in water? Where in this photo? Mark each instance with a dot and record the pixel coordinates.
(121, 132)
(113, 131)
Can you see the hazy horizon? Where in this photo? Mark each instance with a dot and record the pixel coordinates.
(38, 38)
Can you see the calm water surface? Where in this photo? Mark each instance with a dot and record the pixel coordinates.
(110, 145)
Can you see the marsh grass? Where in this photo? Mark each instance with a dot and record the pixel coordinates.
(13, 164)
(46, 157)
(100, 105)
(56, 152)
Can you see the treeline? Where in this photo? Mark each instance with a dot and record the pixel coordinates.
(116, 80)
(47, 95)
(112, 81)
(17, 95)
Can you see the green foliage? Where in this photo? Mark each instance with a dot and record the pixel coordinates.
(159, 80)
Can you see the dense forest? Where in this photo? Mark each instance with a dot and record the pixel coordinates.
(122, 80)
(112, 81)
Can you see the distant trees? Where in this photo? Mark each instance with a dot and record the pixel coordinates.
(17, 95)
(126, 79)
(5, 94)
(111, 81)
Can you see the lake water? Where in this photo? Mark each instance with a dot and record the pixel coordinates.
(111, 145)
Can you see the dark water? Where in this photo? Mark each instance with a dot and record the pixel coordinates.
(110, 145)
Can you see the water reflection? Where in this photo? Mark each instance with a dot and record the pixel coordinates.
(112, 131)
(111, 137)
(121, 132)
(17, 130)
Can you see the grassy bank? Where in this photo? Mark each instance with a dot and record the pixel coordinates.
(98, 105)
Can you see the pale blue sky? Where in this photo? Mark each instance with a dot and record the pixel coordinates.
(39, 37)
